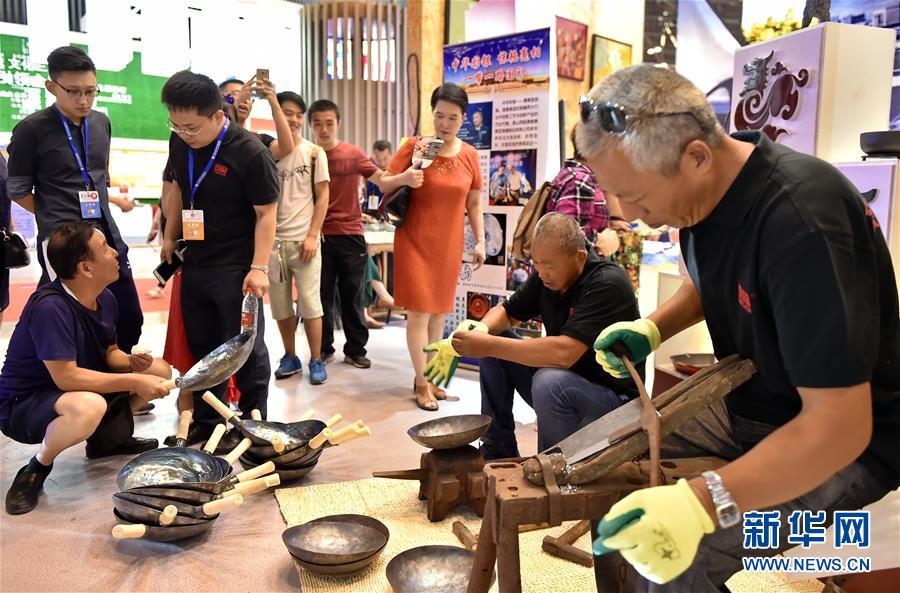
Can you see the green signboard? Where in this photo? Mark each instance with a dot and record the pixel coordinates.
(129, 98)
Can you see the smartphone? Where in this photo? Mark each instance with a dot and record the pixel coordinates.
(165, 270)
(261, 75)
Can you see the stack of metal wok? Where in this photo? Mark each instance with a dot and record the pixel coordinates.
(294, 448)
(177, 492)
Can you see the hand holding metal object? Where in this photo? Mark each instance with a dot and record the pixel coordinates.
(214, 438)
(649, 413)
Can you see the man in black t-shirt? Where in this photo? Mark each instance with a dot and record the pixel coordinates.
(790, 269)
(576, 295)
(225, 207)
(63, 181)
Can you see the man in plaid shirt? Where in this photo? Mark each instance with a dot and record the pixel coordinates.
(575, 192)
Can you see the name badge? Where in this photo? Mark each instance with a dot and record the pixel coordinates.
(373, 202)
(192, 224)
(90, 204)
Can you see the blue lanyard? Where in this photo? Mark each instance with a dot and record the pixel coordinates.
(212, 159)
(87, 178)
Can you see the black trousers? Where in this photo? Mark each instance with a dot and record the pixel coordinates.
(131, 318)
(344, 260)
(211, 305)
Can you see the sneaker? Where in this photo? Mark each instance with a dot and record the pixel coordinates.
(133, 446)
(289, 365)
(317, 374)
(327, 356)
(144, 411)
(358, 360)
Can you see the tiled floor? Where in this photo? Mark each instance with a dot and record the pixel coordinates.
(65, 544)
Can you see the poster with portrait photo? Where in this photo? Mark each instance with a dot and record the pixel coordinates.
(476, 128)
(512, 177)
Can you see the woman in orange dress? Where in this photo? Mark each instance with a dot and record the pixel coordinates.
(428, 247)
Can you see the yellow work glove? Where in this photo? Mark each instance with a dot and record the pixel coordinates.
(442, 367)
(657, 530)
(640, 337)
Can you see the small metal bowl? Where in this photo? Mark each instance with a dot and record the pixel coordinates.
(690, 364)
(333, 542)
(431, 569)
(450, 432)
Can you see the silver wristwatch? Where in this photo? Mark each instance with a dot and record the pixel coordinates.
(727, 511)
(263, 269)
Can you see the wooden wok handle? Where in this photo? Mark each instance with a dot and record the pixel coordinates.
(278, 444)
(129, 531)
(256, 472)
(184, 423)
(254, 486)
(255, 415)
(222, 504)
(333, 420)
(214, 438)
(169, 385)
(365, 431)
(319, 440)
(465, 535)
(308, 415)
(218, 405)
(168, 515)
(238, 451)
(337, 435)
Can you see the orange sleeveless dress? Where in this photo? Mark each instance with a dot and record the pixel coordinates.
(428, 247)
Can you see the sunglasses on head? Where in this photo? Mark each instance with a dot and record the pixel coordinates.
(615, 119)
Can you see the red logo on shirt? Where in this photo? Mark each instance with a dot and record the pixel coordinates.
(744, 299)
(221, 170)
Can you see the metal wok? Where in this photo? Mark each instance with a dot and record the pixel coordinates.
(431, 569)
(284, 474)
(278, 435)
(333, 542)
(131, 530)
(202, 512)
(450, 432)
(135, 511)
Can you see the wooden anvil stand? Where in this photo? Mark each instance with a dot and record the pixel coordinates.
(587, 489)
(514, 501)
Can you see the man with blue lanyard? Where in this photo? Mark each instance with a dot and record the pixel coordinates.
(58, 170)
(224, 205)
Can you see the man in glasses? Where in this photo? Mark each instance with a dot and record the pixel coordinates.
(58, 170)
(224, 205)
(789, 269)
(236, 92)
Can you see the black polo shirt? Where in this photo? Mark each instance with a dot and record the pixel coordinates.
(794, 273)
(242, 177)
(41, 162)
(602, 295)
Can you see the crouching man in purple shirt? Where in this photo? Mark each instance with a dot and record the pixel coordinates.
(65, 380)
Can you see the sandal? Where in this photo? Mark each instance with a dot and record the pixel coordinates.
(430, 404)
(438, 392)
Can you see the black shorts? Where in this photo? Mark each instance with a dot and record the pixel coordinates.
(24, 418)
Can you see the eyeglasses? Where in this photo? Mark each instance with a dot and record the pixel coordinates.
(183, 132)
(76, 94)
(615, 119)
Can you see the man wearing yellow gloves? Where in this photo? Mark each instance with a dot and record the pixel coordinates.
(790, 269)
(576, 294)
